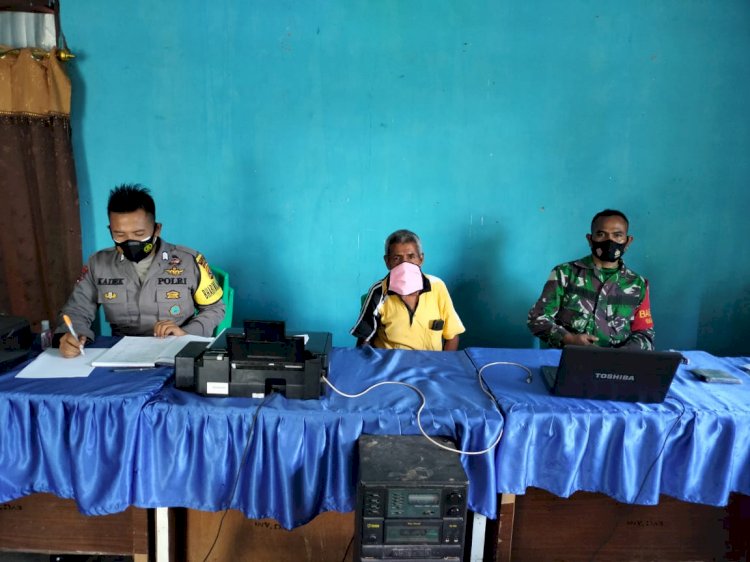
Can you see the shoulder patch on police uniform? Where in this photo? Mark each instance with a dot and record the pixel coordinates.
(208, 291)
(84, 271)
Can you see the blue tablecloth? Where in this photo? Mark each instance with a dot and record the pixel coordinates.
(301, 459)
(695, 446)
(74, 437)
(117, 439)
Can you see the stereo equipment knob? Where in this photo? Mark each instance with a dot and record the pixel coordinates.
(455, 497)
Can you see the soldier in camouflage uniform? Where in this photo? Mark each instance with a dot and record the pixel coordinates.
(596, 300)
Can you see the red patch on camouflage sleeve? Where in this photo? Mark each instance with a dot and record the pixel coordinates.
(642, 318)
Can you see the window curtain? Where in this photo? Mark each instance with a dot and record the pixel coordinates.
(40, 228)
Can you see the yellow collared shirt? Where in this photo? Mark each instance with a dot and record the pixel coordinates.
(385, 321)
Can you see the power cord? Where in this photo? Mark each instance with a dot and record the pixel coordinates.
(250, 432)
(348, 547)
(423, 403)
(648, 472)
(486, 389)
(529, 375)
(663, 445)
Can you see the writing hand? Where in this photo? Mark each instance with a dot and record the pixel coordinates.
(71, 347)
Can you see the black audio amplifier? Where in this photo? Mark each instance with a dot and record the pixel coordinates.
(411, 500)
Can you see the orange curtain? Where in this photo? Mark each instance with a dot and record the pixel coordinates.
(40, 229)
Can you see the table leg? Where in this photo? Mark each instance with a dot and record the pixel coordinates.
(164, 545)
(477, 537)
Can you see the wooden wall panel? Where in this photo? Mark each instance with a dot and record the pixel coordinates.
(590, 526)
(263, 540)
(46, 523)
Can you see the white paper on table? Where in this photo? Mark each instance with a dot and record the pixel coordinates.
(51, 365)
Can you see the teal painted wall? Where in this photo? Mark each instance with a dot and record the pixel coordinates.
(285, 140)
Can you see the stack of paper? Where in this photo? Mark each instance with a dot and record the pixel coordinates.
(136, 351)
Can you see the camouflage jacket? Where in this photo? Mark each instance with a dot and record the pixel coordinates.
(580, 298)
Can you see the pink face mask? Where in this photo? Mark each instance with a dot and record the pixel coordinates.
(406, 278)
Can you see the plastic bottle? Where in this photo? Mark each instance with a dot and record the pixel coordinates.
(46, 335)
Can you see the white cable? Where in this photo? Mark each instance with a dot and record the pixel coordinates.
(419, 413)
(512, 364)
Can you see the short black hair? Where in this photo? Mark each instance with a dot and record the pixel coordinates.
(128, 198)
(609, 213)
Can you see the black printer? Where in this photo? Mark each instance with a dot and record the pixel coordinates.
(15, 341)
(255, 360)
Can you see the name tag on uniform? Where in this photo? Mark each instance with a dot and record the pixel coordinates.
(110, 281)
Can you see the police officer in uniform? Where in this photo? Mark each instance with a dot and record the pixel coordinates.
(147, 286)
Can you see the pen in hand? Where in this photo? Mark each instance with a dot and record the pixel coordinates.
(72, 331)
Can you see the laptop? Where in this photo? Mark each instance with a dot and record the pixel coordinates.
(605, 373)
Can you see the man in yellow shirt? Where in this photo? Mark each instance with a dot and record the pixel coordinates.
(408, 309)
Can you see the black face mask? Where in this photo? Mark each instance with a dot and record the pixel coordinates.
(136, 250)
(607, 250)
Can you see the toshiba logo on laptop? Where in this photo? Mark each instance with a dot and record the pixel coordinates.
(614, 377)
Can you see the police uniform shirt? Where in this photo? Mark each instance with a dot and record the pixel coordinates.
(385, 321)
(177, 286)
(142, 267)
